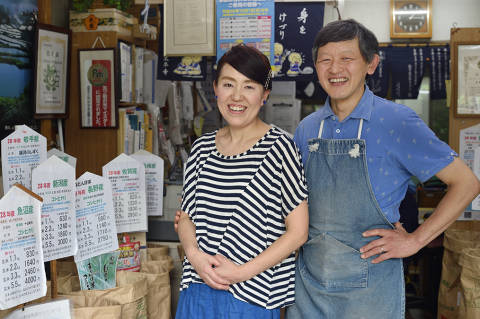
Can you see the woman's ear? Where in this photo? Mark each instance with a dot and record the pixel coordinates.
(266, 93)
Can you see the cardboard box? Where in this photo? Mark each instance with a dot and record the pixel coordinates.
(101, 20)
(151, 35)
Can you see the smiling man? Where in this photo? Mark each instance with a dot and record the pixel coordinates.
(360, 152)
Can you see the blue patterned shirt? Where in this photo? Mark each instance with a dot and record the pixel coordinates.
(399, 145)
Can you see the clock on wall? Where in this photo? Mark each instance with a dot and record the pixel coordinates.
(410, 19)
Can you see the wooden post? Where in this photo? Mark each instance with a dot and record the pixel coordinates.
(53, 278)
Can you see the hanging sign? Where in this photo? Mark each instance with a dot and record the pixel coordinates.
(154, 181)
(127, 177)
(63, 156)
(249, 22)
(439, 71)
(22, 271)
(96, 231)
(22, 151)
(408, 65)
(296, 25)
(54, 181)
(379, 81)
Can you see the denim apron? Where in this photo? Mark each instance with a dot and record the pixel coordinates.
(331, 280)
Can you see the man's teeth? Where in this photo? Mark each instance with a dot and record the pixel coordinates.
(338, 80)
(237, 108)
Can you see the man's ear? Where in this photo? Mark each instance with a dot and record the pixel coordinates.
(372, 66)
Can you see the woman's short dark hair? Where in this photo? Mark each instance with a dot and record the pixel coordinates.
(345, 30)
(250, 62)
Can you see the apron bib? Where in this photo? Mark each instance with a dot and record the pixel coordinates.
(331, 280)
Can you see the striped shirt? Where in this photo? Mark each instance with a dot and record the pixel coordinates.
(239, 204)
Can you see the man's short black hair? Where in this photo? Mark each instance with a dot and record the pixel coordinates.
(345, 30)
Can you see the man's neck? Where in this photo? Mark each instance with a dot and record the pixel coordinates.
(342, 109)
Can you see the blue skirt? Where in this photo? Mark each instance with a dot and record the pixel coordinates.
(200, 301)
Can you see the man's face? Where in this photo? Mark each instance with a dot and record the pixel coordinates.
(341, 71)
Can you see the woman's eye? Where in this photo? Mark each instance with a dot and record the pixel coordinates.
(227, 85)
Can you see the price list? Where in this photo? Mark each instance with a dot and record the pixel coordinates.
(22, 273)
(54, 181)
(127, 177)
(154, 181)
(23, 150)
(95, 220)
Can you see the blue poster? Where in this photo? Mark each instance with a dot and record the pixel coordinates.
(17, 59)
(245, 21)
(296, 25)
(439, 58)
(379, 81)
(186, 68)
(408, 65)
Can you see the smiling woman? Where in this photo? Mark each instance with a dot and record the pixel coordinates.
(243, 204)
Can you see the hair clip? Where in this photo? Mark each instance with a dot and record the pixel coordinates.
(268, 79)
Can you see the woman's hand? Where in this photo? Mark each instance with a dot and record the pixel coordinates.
(228, 270)
(203, 264)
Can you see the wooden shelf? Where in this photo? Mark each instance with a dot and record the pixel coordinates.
(92, 147)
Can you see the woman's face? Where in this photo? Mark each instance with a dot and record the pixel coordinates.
(239, 98)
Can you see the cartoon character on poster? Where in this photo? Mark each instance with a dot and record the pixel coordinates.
(194, 67)
(182, 66)
(279, 57)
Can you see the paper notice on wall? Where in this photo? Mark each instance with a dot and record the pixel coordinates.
(127, 177)
(284, 113)
(476, 170)
(22, 271)
(154, 181)
(469, 141)
(22, 151)
(63, 156)
(95, 219)
(54, 181)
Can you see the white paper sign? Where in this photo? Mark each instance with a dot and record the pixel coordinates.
(476, 170)
(96, 231)
(154, 178)
(63, 156)
(127, 176)
(284, 113)
(54, 181)
(469, 141)
(22, 274)
(22, 151)
(55, 309)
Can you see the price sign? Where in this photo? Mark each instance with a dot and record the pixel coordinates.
(57, 309)
(22, 273)
(154, 181)
(22, 151)
(127, 176)
(54, 181)
(63, 156)
(96, 231)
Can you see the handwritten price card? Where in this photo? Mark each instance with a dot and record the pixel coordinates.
(22, 273)
(96, 231)
(127, 176)
(22, 151)
(54, 181)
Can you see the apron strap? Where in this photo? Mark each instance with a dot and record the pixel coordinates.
(320, 131)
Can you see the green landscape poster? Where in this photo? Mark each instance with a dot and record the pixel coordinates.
(18, 20)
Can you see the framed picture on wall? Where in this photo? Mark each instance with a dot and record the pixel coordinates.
(189, 27)
(466, 79)
(52, 72)
(97, 88)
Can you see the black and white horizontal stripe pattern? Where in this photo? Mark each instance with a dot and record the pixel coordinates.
(238, 205)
